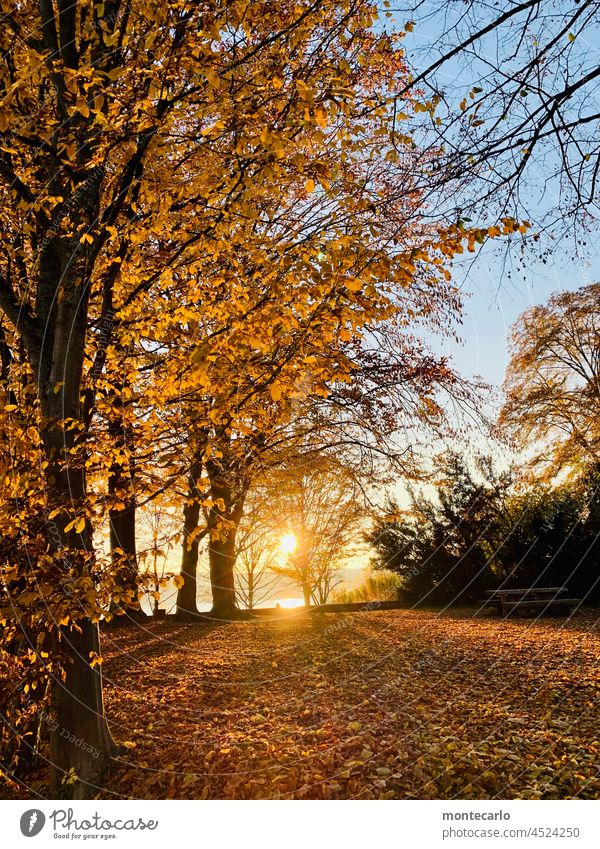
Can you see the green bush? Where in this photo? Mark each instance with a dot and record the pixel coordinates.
(377, 586)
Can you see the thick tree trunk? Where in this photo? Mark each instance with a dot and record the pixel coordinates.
(221, 555)
(228, 491)
(123, 548)
(122, 520)
(81, 746)
(186, 595)
(80, 743)
(121, 491)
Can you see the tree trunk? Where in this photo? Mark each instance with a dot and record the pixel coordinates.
(221, 555)
(251, 589)
(122, 520)
(80, 743)
(306, 593)
(186, 595)
(228, 491)
(81, 746)
(301, 563)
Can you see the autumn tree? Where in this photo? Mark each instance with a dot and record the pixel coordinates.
(552, 383)
(320, 508)
(396, 387)
(101, 106)
(156, 167)
(157, 578)
(346, 243)
(258, 550)
(121, 483)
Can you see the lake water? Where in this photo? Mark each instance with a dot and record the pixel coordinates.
(287, 593)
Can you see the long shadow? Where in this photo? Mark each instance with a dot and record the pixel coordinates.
(143, 644)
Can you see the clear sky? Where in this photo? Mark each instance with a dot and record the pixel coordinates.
(494, 298)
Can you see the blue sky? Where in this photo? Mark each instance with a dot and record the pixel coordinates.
(493, 302)
(493, 299)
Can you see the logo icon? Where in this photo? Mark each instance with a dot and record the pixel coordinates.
(32, 822)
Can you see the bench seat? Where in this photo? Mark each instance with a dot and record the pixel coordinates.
(542, 602)
(504, 605)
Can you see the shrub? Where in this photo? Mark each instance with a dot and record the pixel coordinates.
(377, 586)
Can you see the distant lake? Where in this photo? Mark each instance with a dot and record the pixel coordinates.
(285, 593)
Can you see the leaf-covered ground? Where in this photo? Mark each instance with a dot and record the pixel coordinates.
(391, 704)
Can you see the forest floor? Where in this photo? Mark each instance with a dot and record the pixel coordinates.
(388, 704)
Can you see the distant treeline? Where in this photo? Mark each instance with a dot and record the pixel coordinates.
(481, 531)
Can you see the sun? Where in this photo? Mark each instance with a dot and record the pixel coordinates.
(288, 544)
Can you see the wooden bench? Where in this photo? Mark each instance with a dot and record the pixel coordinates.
(532, 598)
